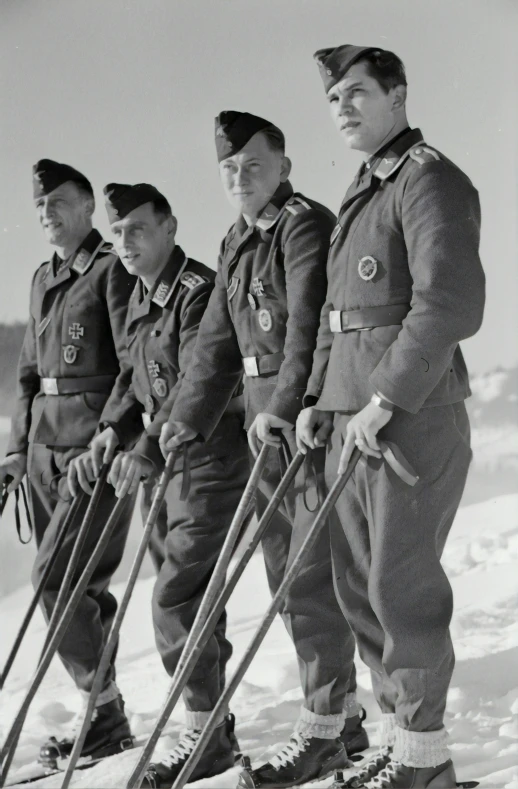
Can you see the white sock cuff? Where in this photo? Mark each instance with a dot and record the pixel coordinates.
(108, 694)
(326, 727)
(421, 748)
(197, 720)
(352, 706)
(386, 729)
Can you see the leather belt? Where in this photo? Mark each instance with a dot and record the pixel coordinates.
(89, 383)
(262, 365)
(146, 420)
(367, 318)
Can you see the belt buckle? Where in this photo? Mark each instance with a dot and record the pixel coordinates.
(250, 366)
(335, 320)
(49, 386)
(146, 420)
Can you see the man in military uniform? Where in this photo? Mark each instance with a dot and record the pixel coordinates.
(164, 314)
(69, 377)
(263, 318)
(405, 287)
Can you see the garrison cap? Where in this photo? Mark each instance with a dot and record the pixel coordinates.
(120, 199)
(334, 62)
(47, 175)
(234, 129)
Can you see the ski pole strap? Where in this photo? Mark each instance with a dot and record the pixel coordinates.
(17, 518)
(398, 463)
(310, 475)
(284, 451)
(186, 479)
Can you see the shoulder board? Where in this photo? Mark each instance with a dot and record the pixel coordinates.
(84, 259)
(163, 293)
(423, 154)
(297, 205)
(192, 280)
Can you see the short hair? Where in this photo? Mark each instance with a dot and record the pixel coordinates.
(275, 138)
(385, 67)
(162, 208)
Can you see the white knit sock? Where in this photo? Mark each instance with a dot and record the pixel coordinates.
(386, 730)
(326, 727)
(421, 748)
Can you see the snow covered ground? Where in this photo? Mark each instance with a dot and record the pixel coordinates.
(482, 561)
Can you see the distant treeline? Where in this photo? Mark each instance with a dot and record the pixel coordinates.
(11, 339)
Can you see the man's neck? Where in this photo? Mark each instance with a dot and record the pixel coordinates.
(73, 245)
(151, 277)
(398, 127)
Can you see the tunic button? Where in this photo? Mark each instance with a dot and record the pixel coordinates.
(418, 150)
(251, 301)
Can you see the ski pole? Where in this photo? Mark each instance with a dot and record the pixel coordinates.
(182, 675)
(274, 608)
(8, 750)
(75, 556)
(71, 514)
(100, 674)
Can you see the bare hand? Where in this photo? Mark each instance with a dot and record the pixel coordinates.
(103, 449)
(14, 466)
(174, 434)
(313, 428)
(362, 431)
(127, 470)
(260, 432)
(81, 470)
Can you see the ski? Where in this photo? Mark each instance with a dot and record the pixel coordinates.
(37, 772)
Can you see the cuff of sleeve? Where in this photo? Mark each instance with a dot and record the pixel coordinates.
(309, 400)
(400, 397)
(288, 409)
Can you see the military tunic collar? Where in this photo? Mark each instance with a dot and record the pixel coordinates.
(80, 261)
(163, 287)
(392, 156)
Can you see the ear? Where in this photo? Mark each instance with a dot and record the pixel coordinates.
(172, 226)
(90, 207)
(285, 169)
(399, 97)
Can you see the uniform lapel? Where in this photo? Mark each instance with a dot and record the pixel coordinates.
(165, 283)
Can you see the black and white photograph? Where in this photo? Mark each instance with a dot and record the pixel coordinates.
(259, 394)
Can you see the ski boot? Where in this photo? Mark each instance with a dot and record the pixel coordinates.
(109, 733)
(369, 770)
(303, 760)
(217, 757)
(354, 736)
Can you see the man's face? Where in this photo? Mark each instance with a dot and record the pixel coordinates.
(64, 214)
(251, 177)
(363, 113)
(143, 239)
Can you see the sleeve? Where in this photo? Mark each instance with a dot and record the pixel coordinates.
(28, 386)
(321, 354)
(441, 226)
(215, 370)
(191, 314)
(120, 410)
(305, 255)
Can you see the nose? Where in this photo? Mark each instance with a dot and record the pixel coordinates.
(46, 210)
(241, 177)
(344, 105)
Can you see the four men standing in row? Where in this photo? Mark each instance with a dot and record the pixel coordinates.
(367, 355)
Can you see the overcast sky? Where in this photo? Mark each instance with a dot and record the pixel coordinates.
(127, 90)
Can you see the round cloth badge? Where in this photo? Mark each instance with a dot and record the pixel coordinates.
(251, 301)
(265, 320)
(149, 405)
(160, 387)
(367, 267)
